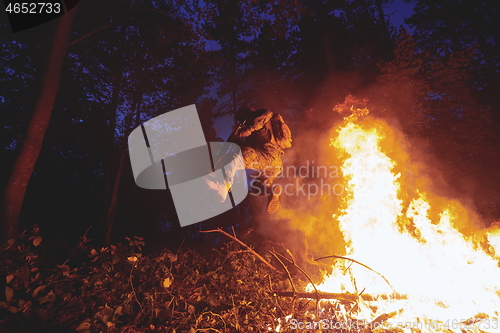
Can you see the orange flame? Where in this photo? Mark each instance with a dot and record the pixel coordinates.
(391, 221)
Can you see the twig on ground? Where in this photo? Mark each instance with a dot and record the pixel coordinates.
(258, 256)
(347, 297)
(208, 329)
(86, 232)
(292, 261)
(286, 269)
(359, 263)
(241, 251)
(132, 285)
(289, 278)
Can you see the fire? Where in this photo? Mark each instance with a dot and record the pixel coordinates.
(422, 244)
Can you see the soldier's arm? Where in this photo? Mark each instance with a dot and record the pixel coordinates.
(256, 124)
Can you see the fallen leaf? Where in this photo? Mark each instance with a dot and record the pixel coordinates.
(37, 290)
(85, 325)
(167, 283)
(65, 269)
(119, 311)
(9, 293)
(37, 240)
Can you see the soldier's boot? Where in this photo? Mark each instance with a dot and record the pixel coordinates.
(274, 201)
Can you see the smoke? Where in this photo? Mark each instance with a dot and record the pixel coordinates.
(312, 189)
(312, 177)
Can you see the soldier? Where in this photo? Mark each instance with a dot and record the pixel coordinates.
(262, 135)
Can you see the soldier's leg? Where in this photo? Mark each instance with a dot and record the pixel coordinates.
(275, 167)
(267, 162)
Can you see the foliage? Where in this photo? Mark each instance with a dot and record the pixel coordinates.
(434, 97)
(452, 26)
(121, 289)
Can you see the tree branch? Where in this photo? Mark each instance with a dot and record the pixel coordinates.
(357, 262)
(258, 256)
(341, 297)
(90, 33)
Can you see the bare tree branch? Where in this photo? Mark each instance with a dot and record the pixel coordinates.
(90, 33)
(258, 256)
(357, 262)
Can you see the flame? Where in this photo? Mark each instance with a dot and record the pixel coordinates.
(424, 245)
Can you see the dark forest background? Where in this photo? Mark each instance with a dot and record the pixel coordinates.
(73, 89)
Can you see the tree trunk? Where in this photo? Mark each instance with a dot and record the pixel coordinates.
(109, 153)
(113, 196)
(451, 28)
(380, 9)
(114, 199)
(35, 134)
(234, 85)
(326, 42)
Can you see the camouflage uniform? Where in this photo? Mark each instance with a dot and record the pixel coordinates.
(262, 137)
